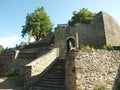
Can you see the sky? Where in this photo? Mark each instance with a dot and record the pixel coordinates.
(13, 14)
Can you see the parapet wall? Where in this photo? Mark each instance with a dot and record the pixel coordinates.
(38, 66)
(93, 68)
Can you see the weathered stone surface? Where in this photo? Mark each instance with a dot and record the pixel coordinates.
(104, 31)
(39, 65)
(6, 61)
(98, 67)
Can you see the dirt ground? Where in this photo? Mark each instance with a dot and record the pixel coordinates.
(8, 85)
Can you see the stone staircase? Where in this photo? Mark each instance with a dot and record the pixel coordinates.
(53, 79)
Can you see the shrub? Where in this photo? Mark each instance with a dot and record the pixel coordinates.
(108, 47)
(86, 47)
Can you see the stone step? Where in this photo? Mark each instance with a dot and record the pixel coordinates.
(53, 75)
(49, 85)
(56, 77)
(53, 79)
(47, 88)
(57, 68)
(56, 72)
(53, 83)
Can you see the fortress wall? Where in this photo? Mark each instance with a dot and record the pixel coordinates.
(86, 34)
(99, 29)
(88, 69)
(60, 41)
(6, 62)
(89, 34)
(112, 30)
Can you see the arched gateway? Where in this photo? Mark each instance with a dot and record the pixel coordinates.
(70, 43)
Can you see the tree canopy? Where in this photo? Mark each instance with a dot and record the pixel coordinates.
(1, 48)
(83, 16)
(37, 24)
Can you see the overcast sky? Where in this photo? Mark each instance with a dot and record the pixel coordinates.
(13, 13)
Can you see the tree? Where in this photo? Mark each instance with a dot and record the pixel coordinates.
(83, 16)
(1, 48)
(37, 24)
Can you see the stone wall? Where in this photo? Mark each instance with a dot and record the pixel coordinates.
(25, 56)
(22, 60)
(70, 74)
(17, 59)
(60, 41)
(94, 68)
(6, 61)
(104, 31)
(112, 30)
(99, 29)
(88, 34)
(34, 69)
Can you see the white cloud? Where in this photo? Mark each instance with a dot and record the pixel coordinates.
(10, 41)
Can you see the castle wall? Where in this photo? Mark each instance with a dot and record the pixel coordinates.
(6, 61)
(104, 31)
(89, 34)
(87, 69)
(86, 34)
(99, 30)
(112, 30)
(60, 41)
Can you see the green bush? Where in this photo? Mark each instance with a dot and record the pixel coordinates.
(108, 47)
(86, 47)
(99, 88)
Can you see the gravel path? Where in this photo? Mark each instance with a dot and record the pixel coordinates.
(8, 85)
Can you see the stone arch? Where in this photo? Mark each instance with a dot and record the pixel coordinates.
(70, 43)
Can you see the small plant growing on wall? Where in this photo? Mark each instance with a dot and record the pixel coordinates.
(86, 47)
(100, 88)
(108, 47)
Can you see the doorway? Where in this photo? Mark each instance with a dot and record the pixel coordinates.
(70, 44)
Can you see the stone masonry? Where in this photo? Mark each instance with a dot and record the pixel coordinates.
(93, 68)
(84, 69)
(104, 31)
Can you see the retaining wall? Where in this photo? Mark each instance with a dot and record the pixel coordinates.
(87, 69)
